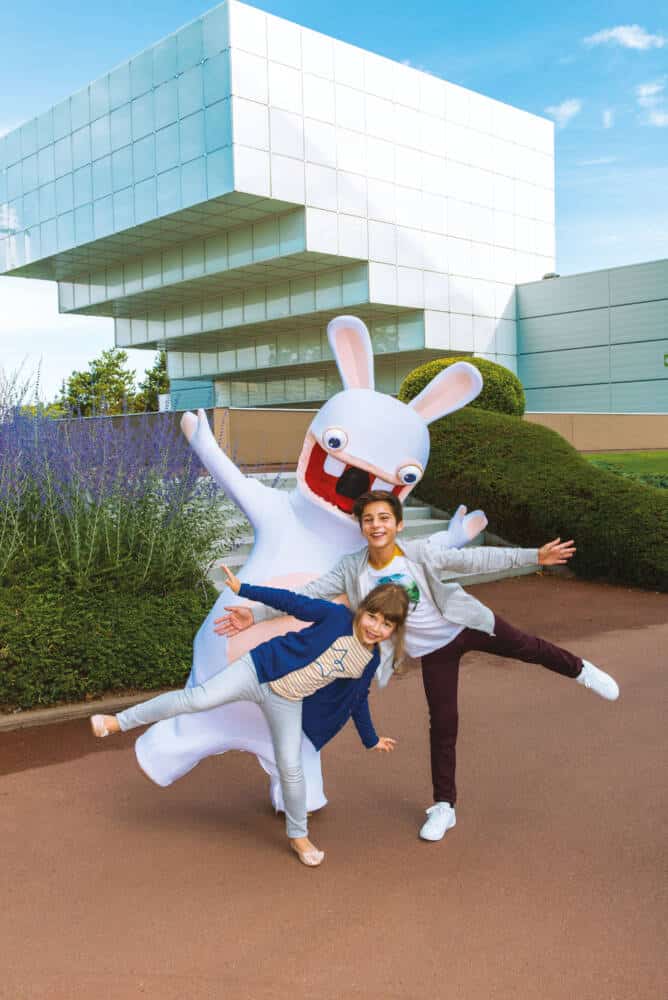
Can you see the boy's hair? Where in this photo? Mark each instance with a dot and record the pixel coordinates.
(376, 496)
(391, 601)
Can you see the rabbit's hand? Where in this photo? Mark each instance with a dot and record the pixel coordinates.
(464, 527)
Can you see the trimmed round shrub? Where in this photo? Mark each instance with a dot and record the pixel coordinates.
(533, 487)
(502, 391)
(59, 646)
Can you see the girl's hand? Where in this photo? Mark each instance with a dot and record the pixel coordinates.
(238, 619)
(233, 582)
(385, 744)
(556, 553)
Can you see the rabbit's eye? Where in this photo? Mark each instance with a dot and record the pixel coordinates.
(410, 474)
(335, 439)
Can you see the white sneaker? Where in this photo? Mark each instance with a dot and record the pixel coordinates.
(597, 680)
(441, 819)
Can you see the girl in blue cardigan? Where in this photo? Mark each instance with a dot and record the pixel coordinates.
(313, 680)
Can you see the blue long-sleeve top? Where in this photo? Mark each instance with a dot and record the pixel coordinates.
(326, 711)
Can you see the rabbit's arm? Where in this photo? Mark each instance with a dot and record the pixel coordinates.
(462, 529)
(248, 494)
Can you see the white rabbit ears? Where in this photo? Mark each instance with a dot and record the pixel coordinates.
(452, 388)
(351, 346)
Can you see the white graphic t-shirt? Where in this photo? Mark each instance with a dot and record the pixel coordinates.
(426, 628)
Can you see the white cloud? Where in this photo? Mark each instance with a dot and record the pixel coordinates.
(658, 118)
(608, 118)
(629, 36)
(649, 95)
(598, 162)
(564, 112)
(651, 98)
(35, 334)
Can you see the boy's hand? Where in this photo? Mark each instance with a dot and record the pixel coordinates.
(238, 619)
(233, 582)
(385, 744)
(556, 553)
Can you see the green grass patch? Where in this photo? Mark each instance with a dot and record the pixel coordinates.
(639, 462)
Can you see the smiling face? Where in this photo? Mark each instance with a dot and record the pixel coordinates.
(361, 440)
(379, 525)
(372, 627)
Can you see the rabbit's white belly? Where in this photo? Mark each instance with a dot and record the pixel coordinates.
(287, 554)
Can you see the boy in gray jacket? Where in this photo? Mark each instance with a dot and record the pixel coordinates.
(444, 622)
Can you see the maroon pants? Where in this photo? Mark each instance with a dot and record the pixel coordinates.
(440, 673)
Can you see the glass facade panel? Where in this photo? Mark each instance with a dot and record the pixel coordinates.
(124, 214)
(47, 201)
(45, 128)
(121, 127)
(217, 78)
(81, 147)
(167, 147)
(164, 61)
(103, 217)
(80, 109)
(64, 196)
(31, 208)
(46, 164)
(166, 104)
(246, 357)
(29, 138)
(62, 151)
(141, 73)
(14, 181)
(191, 137)
(65, 229)
(190, 91)
(145, 200)
(83, 185)
(189, 46)
(99, 98)
(215, 31)
(102, 178)
(193, 182)
(29, 173)
(143, 158)
(62, 120)
(83, 223)
(119, 86)
(142, 116)
(218, 125)
(169, 191)
(219, 177)
(121, 168)
(100, 137)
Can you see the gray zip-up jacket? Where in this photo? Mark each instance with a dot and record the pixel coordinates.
(428, 559)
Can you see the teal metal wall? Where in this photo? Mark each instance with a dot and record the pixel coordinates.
(596, 342)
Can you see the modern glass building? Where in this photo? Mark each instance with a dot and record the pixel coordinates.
(226, 192)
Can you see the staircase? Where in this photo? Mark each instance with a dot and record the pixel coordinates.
(420, 521)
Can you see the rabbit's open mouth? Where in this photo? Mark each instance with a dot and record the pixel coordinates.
(337, 482)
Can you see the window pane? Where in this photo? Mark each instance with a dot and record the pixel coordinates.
(119, 86)
(121, 132)
(144, 158)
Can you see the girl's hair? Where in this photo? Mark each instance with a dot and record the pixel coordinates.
(391, 601)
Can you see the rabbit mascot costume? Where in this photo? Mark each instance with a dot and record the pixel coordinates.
(360, 440)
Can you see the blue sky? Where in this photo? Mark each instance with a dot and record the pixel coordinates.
(603, 72)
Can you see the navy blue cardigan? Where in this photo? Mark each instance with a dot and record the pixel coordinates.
(326, 711)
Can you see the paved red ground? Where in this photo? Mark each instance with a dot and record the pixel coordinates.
(551, 886)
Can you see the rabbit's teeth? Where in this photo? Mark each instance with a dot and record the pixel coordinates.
(380, 484)
(333, 467)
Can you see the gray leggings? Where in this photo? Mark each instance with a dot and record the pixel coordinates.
(239, 682)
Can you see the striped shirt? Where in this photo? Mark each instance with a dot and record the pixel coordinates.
(345, 658)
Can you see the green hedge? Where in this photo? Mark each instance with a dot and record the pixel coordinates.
(502, 391)
(534, 486)
(60, 646)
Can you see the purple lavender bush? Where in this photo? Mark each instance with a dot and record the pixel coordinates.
(99, 502)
